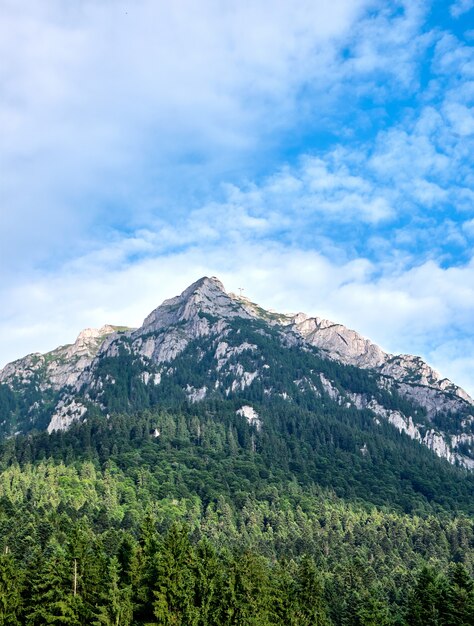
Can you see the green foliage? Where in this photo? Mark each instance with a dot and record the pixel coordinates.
(309, 607)
(174, 513)
(97, 545)
(175, 579)
(11, 589)
(53, 600)
(25, 406)
(215, 449)
(116, 606)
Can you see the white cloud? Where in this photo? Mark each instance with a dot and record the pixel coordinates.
(460, 7)
(108, 106)
(461, 118)
(394, 32)
(468, 228)
(456, 357)
(126, 118)
(114, 114)
(423, 310)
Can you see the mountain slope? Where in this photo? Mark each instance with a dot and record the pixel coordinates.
(209, 345)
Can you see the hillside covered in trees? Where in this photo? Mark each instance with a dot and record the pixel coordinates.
(217, 468)
(109, 524)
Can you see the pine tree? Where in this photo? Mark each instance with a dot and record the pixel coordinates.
(372, 609)
(458, 600)
(283, 602)
(142, 569)
(426, 599)
(88, 564)
(207, 579)
(245, 592)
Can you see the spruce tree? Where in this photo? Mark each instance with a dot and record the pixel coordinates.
(425, 605)
(174, 588)
(458, 600)
(53, 600)
(11, 587)
(309, 592)
(116, 608)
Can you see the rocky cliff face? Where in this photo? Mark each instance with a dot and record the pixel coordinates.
(205, 297)
(411, 374)
(61, 367)
(437, 413)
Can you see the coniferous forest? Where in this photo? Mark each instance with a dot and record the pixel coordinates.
(108, 523)
(157, 509)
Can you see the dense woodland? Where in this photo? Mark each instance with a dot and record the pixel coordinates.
(109, 524)
(156, 510)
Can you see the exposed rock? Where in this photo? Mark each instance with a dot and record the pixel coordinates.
(148, 377)
(414, 379)
(434, 440)
(224, 352)
(66, 414)
(242, 379)
(166, 347)
(329, 388)
(306, 383)
(250, 415)
(23, 371)
(339, 342)
(432, 399)
(195, 395)
(403, 423)
(206, 296)
(61, 367)
(205, 310)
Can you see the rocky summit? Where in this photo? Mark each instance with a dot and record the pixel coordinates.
(208, 344)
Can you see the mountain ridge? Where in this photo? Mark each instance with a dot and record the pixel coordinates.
(206, 312)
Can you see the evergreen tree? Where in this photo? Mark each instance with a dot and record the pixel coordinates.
(208, 575)
(425, 606)
(458, 600)
(245, 592)
(174, 588)
(372, 609)
(116, 607)
(309, 592)
(11, 587)
(142, 568)
(52, 593)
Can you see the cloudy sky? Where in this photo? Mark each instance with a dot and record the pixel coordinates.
(317, 154)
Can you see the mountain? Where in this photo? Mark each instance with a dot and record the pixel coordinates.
(225, 465)
(207, 345)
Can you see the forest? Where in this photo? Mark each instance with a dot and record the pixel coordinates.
(108, 523)
(159, 510)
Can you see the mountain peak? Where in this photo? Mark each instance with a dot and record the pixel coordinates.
(88, 334)
(208, 287)
(205, 296)
(89, 340)
(208, 282)
(206, 314)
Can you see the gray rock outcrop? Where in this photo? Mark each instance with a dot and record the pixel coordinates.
(205, 310)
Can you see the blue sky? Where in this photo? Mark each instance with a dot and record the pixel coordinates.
(317, 154)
